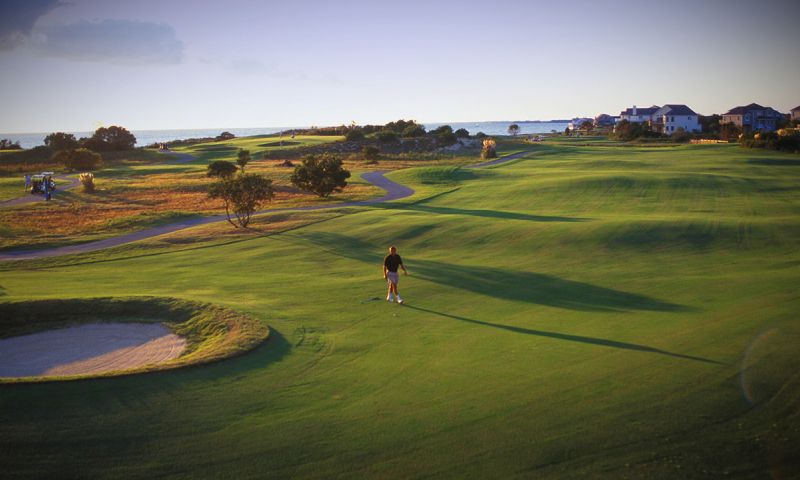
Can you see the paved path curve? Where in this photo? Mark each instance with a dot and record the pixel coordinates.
(394, 191)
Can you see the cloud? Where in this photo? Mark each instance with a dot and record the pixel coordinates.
(17, 18)
(122, 42)
(250, 66)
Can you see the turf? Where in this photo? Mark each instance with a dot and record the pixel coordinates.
(589, 311)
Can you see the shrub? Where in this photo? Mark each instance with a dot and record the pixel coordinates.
(370, 153)
(6, 144)
(462, 133)
(242, 194)
(78, 159)
(87, 180)
(442, 129)
(446, 138)
(480, 135)
(387, 136)
(221, 169)
(489, 149)
(354, 135)
(111, 138)
(681, 136)
(415, 130)
(225, 136)
(321, 175)
(61, 141)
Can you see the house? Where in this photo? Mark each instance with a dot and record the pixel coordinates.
(638, 115)
(669, 118)
(794, 113)
(604, 120)
(575, 123)
(753, 117)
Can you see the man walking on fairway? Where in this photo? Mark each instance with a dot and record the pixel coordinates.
(390, 264)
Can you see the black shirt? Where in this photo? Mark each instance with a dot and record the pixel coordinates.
(391, 262)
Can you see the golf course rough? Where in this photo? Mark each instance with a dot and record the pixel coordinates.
(201, 332)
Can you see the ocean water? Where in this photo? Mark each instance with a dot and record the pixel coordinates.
(147, 137)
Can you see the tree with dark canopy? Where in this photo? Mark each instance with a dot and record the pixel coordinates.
(320, 174)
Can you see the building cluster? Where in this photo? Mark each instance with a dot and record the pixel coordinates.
(668, 119)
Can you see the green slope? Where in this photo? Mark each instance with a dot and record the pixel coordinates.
(589, 311)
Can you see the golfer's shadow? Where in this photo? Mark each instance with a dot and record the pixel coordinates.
(563, 336)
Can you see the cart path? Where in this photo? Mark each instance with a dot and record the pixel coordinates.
(31, 198)
(394, 191)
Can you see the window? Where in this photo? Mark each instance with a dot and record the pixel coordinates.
(689, 118)
(673, 119)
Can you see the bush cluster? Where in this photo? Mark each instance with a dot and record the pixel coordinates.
(78, 159)
(783, 140)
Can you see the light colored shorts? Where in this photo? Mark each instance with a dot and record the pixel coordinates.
(392, 277)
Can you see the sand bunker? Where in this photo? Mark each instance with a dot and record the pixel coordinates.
(88, 349)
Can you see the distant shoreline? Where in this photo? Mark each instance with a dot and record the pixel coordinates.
(148, 137)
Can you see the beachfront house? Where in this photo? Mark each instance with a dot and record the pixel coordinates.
(605, 120)
(753, 117)
(575, 123)
(669, 118)
(639, 115)
(795, 113)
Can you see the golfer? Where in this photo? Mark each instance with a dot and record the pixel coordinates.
(390, 264)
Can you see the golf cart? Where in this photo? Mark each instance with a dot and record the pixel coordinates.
(43, 183)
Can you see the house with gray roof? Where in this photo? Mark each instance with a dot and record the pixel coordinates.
(669, 118)
(753, 117)
(795, 113)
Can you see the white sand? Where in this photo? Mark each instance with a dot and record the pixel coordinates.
(88, 349)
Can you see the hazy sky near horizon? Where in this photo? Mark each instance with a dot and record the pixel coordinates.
(159, 64)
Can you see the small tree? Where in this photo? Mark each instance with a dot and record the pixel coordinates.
(414, 130)
(221, 169)
(321, 174)
(61, 141)
(480, 135)
(586, 125)
(370, 153)
(243, 158)
(111, 138)
(6, 144)
(354, 135)
(489, 149)
(242, 195)
(225, 136)
(462, 133)
(513, 129)
(78, 159)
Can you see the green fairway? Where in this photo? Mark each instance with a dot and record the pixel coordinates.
(587, 311)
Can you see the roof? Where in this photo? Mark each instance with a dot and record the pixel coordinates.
(744, 109)
(675, 110)
(641, 111)
(795, 108)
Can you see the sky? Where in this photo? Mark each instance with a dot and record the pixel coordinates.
(76, 65)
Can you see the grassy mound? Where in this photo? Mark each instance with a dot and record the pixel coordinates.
(212, 332)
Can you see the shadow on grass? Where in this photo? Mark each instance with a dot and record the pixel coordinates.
(498, 214)
(775, 162)
(570, 338)
(516, 285)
